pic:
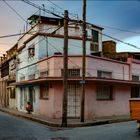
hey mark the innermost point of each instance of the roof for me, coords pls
(60, 21)
(44, 19)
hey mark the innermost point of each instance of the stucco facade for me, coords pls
(39, 74)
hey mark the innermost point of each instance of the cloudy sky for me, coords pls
(119, 18)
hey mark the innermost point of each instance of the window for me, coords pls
(104, 74)
(95, 36)
(44, 91)
(72, 72)
(135, 92)
(94, 47)
(12, 92)
(22, 78)
(135, 78)
(104, 92)
(44, 74)
(31, 50)
(32, 76)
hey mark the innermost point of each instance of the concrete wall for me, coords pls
(100, 108)
(93, 108)
(46, 107)
(119, 70)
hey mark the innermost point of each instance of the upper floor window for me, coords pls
(32, 76)
(104, 74)
(72, 72)
(95, 36)
(135, 78)
(22, 78)
(31, 50)
(94, 46)
(44, 74)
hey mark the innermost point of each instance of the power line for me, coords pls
(120, 29)
(14, 10)
(41, 8)
(44, 38)
(55, 5)
(126, 43)
(26, 32)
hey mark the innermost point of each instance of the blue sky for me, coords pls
(112, 13)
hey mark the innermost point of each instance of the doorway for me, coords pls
(73, 110)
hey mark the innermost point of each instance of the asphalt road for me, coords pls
(14, 128)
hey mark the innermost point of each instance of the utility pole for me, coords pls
(83, 62)
(65, 70)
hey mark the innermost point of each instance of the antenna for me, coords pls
(43, 9)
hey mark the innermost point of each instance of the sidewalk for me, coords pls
(71, 122)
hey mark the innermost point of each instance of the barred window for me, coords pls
(44, 91)
(104, 92)
(72, 72)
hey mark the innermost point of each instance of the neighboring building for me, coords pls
(8, 78)
(11, 89)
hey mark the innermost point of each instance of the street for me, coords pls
(13, 128)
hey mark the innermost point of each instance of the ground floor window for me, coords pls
(135, 92)
(12, 92)
(44, 91)
(104, 92)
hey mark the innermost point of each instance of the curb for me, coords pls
(70, 125)
(31, 118)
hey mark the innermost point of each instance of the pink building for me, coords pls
(108, 86)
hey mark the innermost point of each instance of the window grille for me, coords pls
(72, 72)
(104, 92)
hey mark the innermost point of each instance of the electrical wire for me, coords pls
(56, 5)
(120, 29)
(26, 33)
(126, 43)
(41, 8)
(14, 10)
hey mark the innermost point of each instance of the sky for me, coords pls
(119, 18)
